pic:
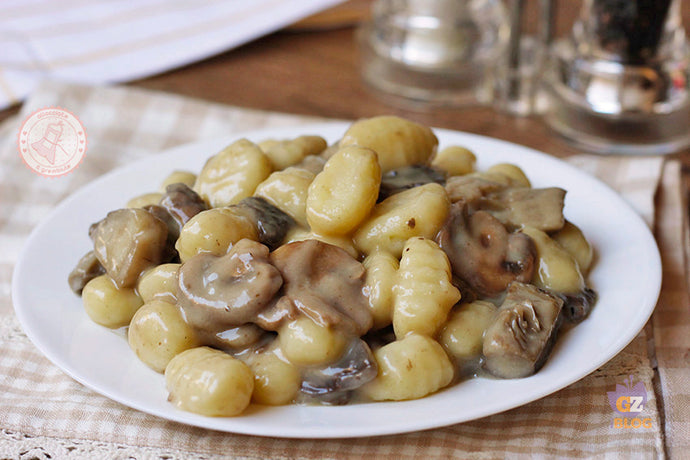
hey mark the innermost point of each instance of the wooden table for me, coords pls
(315, 71)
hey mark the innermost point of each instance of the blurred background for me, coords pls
(294, 62)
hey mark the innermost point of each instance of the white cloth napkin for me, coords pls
(106, 41)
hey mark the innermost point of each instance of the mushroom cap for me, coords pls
(182, 202)
(541, 208)
(325, 283)
(127, 242)
(483, 253)
(86, 269)
(407, 177)
(353, 369)
(221, 293)
(522, 334)
(272, 224)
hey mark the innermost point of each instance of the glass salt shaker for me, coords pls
(434, 52)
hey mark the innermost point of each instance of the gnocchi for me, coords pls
(343, 194)
(146, 199)
(158, 332)
(214, 231)
(209, 382)
(410, 368)
(290, 152)
(398, 142)
(463, 334)
(233, 174)
(423, 293)
(373, 269)
(287, 189)
(419, 211)
(509, 174)
(307, 343)
(159, 283)
(557, 270)
(108, 304)
(382, 270)
(571, 238)
(301, 234)
(276, 380)
(178, 177)
(455, 160)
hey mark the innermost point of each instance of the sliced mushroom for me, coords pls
(404, 178)
(333, 383)
(539, 208)
(520, 339)
(182, 202)
(86, 269)
(127, 242)
(483, 253)
(576, 307)
(272, 223)
(470, 188)
(280, 310)
(161, 213)
(170, 253)
(325, 283)
(221, 293)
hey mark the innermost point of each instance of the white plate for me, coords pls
(627, 276)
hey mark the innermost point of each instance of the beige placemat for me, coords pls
(45, 414)
(671, 320)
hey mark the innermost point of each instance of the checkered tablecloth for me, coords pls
(46, 414)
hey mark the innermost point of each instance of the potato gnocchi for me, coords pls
(233, 174)
(423, 293)
(410, 368)
(344, 193)
(374, 269)
(419, 211)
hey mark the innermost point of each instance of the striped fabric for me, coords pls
(671, 320)
(45, 413)
(120, 40)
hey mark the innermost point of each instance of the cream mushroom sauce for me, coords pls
(247, 283)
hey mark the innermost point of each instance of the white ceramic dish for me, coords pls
(627, 277)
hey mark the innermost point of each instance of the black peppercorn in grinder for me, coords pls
(620, 82)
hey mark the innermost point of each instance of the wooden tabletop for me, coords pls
(314, 70)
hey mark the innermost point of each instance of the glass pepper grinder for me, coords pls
(620, 82)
